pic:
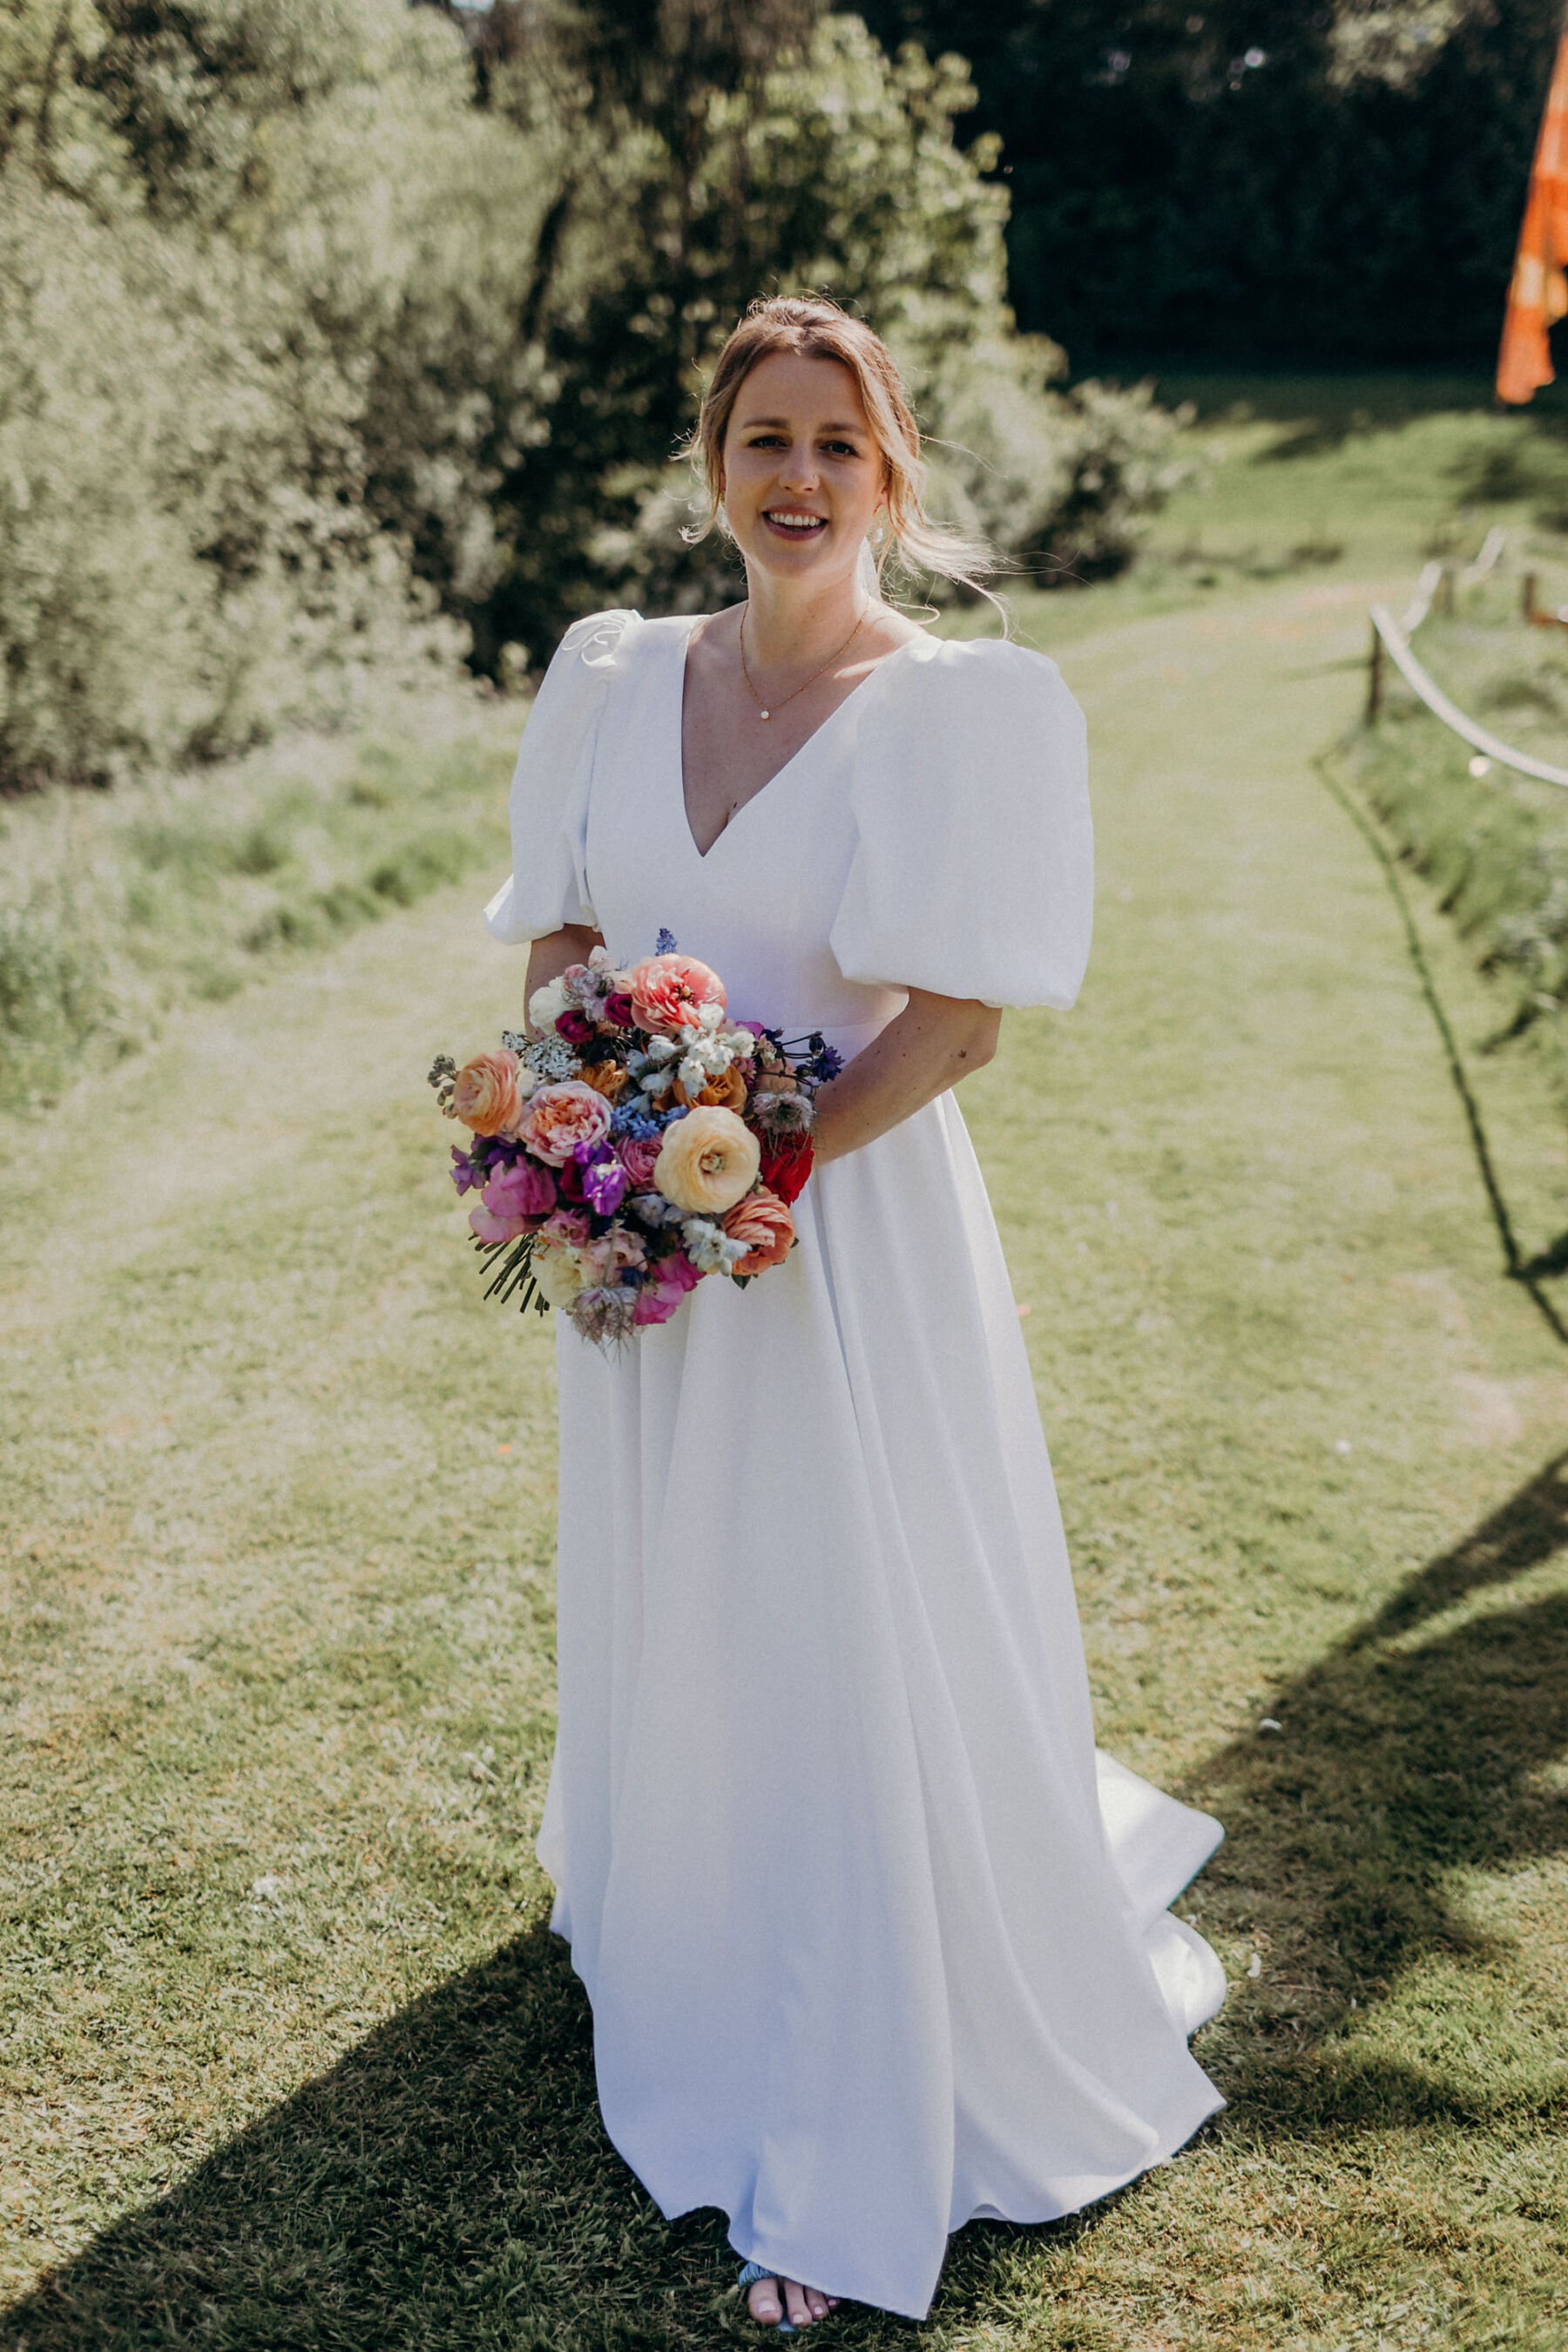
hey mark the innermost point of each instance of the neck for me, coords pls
(791, 621)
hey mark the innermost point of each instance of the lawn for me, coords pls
(291, 2060)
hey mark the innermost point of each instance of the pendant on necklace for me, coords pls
(764, 714)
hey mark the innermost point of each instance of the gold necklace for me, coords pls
(837, 655)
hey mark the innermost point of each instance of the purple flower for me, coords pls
(604, 1186)
(464, 1174)
(665, 944)
(523, 1190)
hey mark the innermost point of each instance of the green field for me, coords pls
(290, 2058)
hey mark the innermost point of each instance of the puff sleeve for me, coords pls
(973, 871)
(549, 805)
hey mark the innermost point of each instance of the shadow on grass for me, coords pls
(450, 2182)
(1414, 1749)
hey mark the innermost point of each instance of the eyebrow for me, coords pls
(781, 425)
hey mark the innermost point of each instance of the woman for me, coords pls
(872, 1947)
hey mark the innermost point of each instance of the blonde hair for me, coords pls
(811, 327)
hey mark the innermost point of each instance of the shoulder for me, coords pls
(975, 668)
(597, 640)
(979, 704)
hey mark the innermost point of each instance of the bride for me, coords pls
(875, 1943)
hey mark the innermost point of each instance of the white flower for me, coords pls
(558, 1272)
(552, 1057)
(546, 1005)
(709, 1247)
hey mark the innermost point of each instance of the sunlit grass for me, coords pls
(117, 907)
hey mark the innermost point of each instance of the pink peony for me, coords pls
(514, 1201)
(668, 991)
(672, 1278)
(557, 1119)
(637, 1154)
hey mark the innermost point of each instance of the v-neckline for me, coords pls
(702, 856)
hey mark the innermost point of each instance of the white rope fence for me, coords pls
(1391, 634)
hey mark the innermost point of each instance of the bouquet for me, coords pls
(635, 1141)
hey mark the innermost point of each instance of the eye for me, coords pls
(842, 448)
(764, 441)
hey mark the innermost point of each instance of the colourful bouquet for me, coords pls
(635, 1141)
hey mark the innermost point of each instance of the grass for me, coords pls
(291, 2060)
(1492, 845)
(117, 908)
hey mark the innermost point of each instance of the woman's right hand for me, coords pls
(548, 958)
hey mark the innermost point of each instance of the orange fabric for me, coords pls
(1537, 293)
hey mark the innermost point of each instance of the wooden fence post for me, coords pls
(1374, 679)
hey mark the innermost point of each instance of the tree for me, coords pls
(1244, 180)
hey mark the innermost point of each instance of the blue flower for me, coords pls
(665, 944)
(630, 1117)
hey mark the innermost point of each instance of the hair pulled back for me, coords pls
(811, 327)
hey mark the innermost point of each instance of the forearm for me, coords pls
(548, 958)
(934, 1042)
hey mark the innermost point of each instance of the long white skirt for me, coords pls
(875, 1944)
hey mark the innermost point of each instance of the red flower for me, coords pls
(785, 1165)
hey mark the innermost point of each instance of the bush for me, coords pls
(331, 347)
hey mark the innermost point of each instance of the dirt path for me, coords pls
(279, 1499)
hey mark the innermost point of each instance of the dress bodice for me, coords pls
(934, 832)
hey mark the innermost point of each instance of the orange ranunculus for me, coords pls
(606, 1078)
(728, 1092)
(764, 1221)
(707, 1160)
(485, 1093)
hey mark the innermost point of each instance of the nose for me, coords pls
(799, 469)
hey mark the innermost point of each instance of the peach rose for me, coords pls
(729, 1091)
(557, 1119)
(668, 991)
(606, 1078)
(764, 1221)
(485, 1093)
(707, 1160)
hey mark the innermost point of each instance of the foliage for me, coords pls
(187, 555)
(1257, 179)
(322, 318)
(832, 168)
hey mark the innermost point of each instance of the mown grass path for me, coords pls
(293, 2062)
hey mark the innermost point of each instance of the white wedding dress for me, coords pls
(874, 1942)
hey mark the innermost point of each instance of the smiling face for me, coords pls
(802, 473)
